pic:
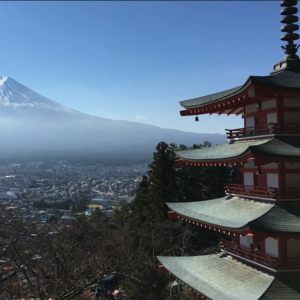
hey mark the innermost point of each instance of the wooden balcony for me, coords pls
(251, 191)
(271, 128)
(250, 254)
(260, 257)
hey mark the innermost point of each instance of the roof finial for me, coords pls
(291, 61)
(288, 12)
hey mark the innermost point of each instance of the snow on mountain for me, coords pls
(34, 126)
(17, 98)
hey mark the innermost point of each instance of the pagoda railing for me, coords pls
(264, 192)
(251, 190)
(271, 128)
(259, 256)
(248, 253)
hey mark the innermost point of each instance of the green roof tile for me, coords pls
(226, 212)
(201, 101)
(285, 286)
(282, 218)
(221, 152)
(284, 147)
(219, 277)
(286, 79)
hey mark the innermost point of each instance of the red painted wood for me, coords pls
(260, 191)
(261, 180)
(172, 215)
(251, 254)
(240, 100)
(162, 269)
(260, 113)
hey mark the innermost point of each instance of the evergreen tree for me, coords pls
(202, 182)
(213, 179)
(140, 206)
(162, 181)
(121, 216)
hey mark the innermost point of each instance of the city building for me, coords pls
(260, 218)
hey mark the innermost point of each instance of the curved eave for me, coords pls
(232, 101)
(219, 276)
(218, 228)
(219, 103)
(228, 213)
(238, 152)
(230, 153)
(216, 162)
(217, 97)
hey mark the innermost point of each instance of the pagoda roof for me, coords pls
(284, 80)
(282, 218)
(285, 286)
(219, 276)
(238, 214)
(226, 212)
(239, 150)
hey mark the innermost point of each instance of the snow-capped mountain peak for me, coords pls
(17, 98)
(3, 79)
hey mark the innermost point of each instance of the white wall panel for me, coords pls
(250, 122)
(244, 241)
(272, 117)
(272, 180)
(268, 104)
(250, 108)
(248, 178)
(271, 245)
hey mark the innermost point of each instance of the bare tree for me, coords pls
(39, 261)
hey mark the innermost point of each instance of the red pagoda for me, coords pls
(260, 257)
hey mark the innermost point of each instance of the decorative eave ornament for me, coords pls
(291, 60)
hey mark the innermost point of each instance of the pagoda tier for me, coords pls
(229, 214)
(266, 130)
(269, 106)
(270, 150)
(270, 167)
(221, 277)
(284, 84)
(238, 215)
(265, 235)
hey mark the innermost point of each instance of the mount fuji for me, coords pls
(35, 127)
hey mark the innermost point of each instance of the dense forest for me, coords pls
(51, 260)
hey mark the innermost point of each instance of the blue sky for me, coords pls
(136, 60)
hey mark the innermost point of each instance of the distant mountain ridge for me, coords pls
(34, 126)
